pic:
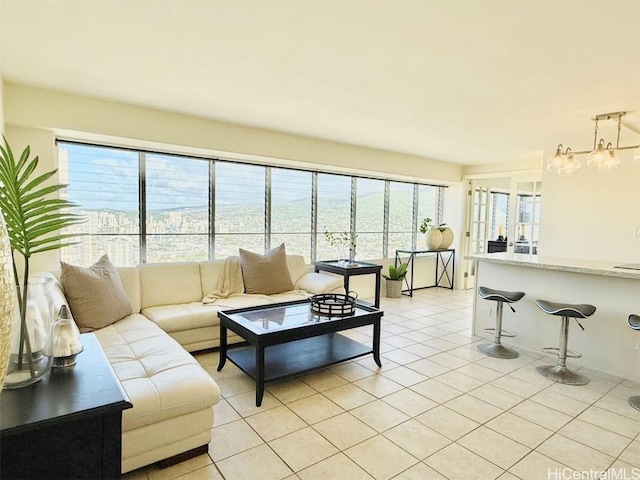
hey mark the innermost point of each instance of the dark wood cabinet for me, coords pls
(494, 246)
(68, 425)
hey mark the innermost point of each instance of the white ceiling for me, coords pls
(468, 82)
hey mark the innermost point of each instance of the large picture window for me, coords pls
(370, 218)
(177, 200)
(104, 183)
(291, 197)
(334, 211)
(150, 207)
(240, 208)
(401, 217)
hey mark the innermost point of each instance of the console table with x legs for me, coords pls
(445, 268)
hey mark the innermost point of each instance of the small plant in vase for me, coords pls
(394, 280)
(345, 243)
(438, 237)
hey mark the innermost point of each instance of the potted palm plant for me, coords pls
(394, 280)
(34, 218)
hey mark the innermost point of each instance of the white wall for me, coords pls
(593, 215)
(496, 170)
(77, 116)
(42, 144)
(1, 83)
(34, 116)
(1, 100)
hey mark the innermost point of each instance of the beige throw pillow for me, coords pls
(95, 294)
(266, 274)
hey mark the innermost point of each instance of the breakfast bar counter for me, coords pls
(607, 344)
(577, 265)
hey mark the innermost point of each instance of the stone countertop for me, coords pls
(591, 267)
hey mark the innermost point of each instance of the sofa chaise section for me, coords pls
(172, 395)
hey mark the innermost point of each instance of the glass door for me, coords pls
(479, 220)
(477, 227)
(524, 221)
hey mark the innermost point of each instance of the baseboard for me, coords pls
(181, 457)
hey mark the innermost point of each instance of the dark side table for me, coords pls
(67, 425)
(357, 268)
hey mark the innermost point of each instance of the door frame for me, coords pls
(513, 207)
(468, 266)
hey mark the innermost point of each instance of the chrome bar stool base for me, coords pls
(497, 350)
(635, 402)
(562, 375)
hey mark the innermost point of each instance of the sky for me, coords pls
(107, 178)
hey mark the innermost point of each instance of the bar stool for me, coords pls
(496, 349)
(559, 372)
(634, 322)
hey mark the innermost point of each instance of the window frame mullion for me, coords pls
(212, 210)
(142, 199)
(353, 215)
(314, 216)
(414, 229)
(385, 227)
(267, 209)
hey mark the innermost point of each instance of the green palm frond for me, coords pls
(34, 219)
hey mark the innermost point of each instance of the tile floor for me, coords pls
(437, 409)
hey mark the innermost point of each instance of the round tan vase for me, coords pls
(434, 238)
(447, 238)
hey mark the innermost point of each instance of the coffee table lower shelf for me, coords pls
(298, 356)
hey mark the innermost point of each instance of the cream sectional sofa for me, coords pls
(172, 395)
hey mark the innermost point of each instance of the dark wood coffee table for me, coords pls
(287, 339)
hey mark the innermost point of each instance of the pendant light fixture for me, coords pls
(603, 157)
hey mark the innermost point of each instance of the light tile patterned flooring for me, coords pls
(437, 409)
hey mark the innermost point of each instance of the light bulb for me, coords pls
(556, 161)
(598, 156)
(571, 166)
(611, 163)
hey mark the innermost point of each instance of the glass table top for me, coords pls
(283, 317)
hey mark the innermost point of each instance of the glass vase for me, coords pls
(31, 328)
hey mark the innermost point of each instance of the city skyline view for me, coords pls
(182, 196)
